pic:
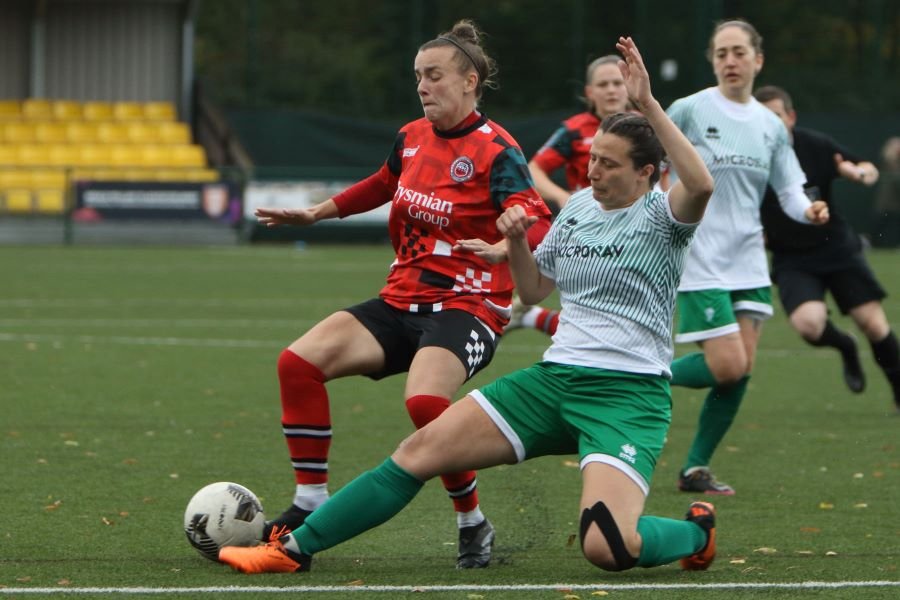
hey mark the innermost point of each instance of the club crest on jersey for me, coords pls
(462, 169)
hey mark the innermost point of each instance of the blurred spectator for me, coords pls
(887, 202)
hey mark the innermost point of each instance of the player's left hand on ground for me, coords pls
(817, 213)
(493, 253)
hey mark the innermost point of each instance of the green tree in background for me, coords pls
(354, 57)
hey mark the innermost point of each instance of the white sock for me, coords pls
(310, 496)
(468, 519)
(291, 544)
(529, 319)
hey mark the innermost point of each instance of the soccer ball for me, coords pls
(223, 514)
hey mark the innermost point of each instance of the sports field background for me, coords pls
(131, 377)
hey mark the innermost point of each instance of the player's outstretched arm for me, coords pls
(689, 195)
(270, 217)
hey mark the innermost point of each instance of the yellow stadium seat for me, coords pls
(15, 178)
(142, 132)
(159, 111)
(48, 179)
(156, 156)
(8, 155)
(97, 111)
(34, 154)
(126, 155)
(51, 201)
(66, 110)
(112, 133)
(128, 111)
(18, 201)
(10, 109)
(50, 132)
(174, 133)
(64, 155)
(37, 108)
(18, 132)
(94, 155)
(81, 132)
(188, 156)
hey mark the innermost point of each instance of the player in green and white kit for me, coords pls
(725, 291)
(615, 253)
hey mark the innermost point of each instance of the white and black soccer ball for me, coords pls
(223, 514)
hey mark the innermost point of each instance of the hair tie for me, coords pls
(464, 51)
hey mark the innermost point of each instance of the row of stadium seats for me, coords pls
(25, 191)
(18, 201)
(38, 108)
(57, 179)
(90, 132)
(103, 155)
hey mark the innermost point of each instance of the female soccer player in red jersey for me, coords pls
(448, 295)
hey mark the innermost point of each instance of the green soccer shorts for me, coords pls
(707, 314)
(613, 417)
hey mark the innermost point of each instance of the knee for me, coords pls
(873, 324)
(731, 371)
(808, 326)
(597, 551)
(292, 365)
(603, 544)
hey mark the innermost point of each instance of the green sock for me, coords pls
(367, 501)
(667, 540)
(692, 371)
(719, 409)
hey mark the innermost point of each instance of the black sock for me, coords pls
(887, 355)
(834, 337)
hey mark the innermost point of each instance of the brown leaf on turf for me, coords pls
(600, 593)
(53, 506)
(804, 552)
(571, 463)
(25, 579)
(123, 513)
(737, 561)
(106, 521)
(130, 461)
(357, 582)
(64, 582)
(831, 553)
(860, 505)
(766, 551)
(571, 540)
(571, 597)
(826, 505)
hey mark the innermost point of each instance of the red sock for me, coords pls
(547, 321)
(305, 417)
(424, 409)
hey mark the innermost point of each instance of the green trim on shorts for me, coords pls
(707, 314)
(551, 408)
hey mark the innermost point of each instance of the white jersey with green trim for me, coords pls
(745, 147)
(617, 272)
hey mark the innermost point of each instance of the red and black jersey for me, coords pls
(570, 145)
(449, 186)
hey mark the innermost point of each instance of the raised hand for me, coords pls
(637, 80)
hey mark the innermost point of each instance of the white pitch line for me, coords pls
(343, 589)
